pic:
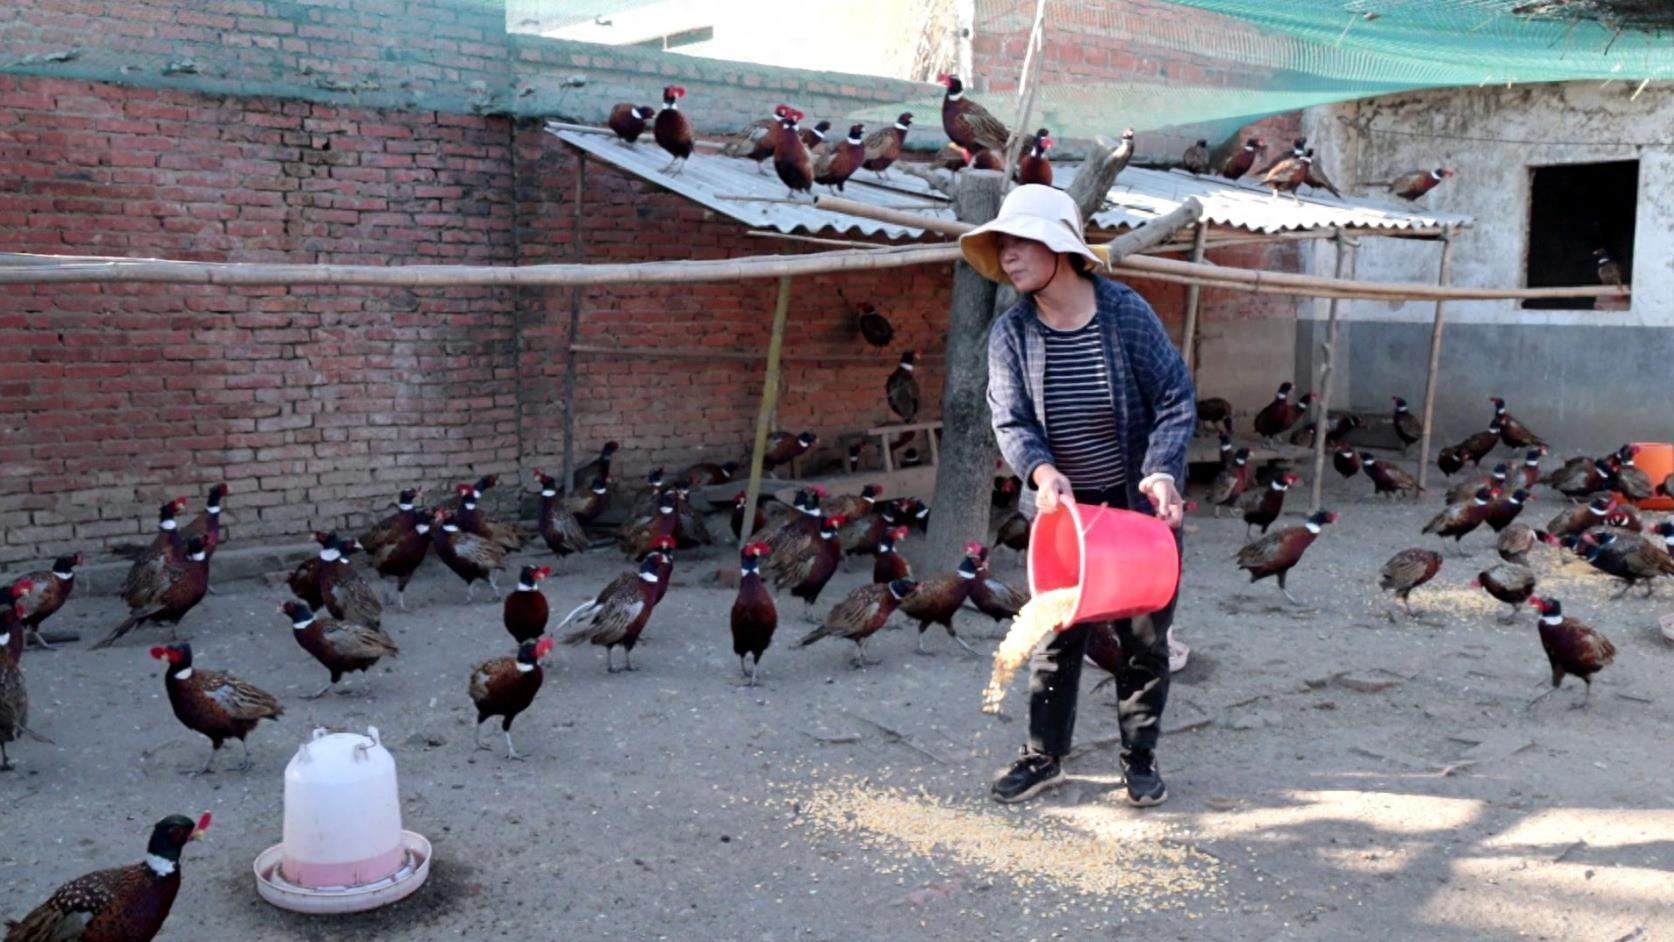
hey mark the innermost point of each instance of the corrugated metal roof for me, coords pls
(1141, 195)
(710, 176)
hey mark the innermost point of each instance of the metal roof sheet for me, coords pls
(707, 177)
(1140, 195)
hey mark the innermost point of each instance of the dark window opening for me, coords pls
(1574, 211)
(702, 34)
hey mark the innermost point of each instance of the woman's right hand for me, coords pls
(1053, 488)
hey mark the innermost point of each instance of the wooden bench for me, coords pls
(885, 433)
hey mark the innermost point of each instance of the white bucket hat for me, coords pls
(1031, 211)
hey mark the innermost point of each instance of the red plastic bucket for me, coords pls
(1656, 459)
(1131, 558)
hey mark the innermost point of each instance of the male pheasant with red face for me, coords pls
(14, 696)
(671, 130)
(347, 594)
(525, 612)
(469, 556)
(1458, 520)
(889, 564)
(937, 599)
(1278, 552)
(1572, 648)
(122, 904)
(754, 616)
(506, 686)
(341, 647)
(618, 614)
(860, 615)
(967, 123)
(217, 705)
(993, 597)
(397, 545)
(51, 589)
(167, 591)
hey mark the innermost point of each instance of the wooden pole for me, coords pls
(660, 351)
(811, 240)
(964, 475)
(1188, 338)
(1028, 83)
(769, 404)
(160, 271)
(838, 204)
(1328, 357)
(576, 252)
(1442, 279)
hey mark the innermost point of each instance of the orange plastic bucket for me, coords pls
(1656, 459)
(1124, 563)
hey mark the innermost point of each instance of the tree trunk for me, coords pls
(1097, 174)
(965, 471)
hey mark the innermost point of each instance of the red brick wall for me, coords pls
(312, 403)
(1151, 41)
(316, 404)
(665, 410)
(1146, 42)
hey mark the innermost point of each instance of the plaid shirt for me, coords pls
(1156, 408)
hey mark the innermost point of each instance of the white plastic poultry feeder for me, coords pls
(344, 850)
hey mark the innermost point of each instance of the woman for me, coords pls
(1090, 401)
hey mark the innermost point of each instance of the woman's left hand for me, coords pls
(1170, 508)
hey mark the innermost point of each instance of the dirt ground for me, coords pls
(1333, 773)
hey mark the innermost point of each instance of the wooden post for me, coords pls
(576, 252)
(1188, 338)
(1443, 279)
(769, 405)
(1328, 357)
(965, 469)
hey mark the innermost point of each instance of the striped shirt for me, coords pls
(1080, 411)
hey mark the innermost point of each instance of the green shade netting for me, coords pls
(1300, 53)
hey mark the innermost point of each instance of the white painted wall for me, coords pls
(1491, 137)
(867, 37)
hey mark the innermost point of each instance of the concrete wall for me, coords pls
(1586, 379)
(868, 37)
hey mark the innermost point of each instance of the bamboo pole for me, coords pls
(159, 271)
(1328, 363)
(576, 253)
(1442, 278)
(1429, 233)
(811, 240)
(1028, 85)
(1148, 266)
(728, 353)
(838, 204)
(769, 404)
(1188, 337)
(451, 276)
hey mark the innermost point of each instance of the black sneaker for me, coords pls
(1145, 786)
(1030, 775)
